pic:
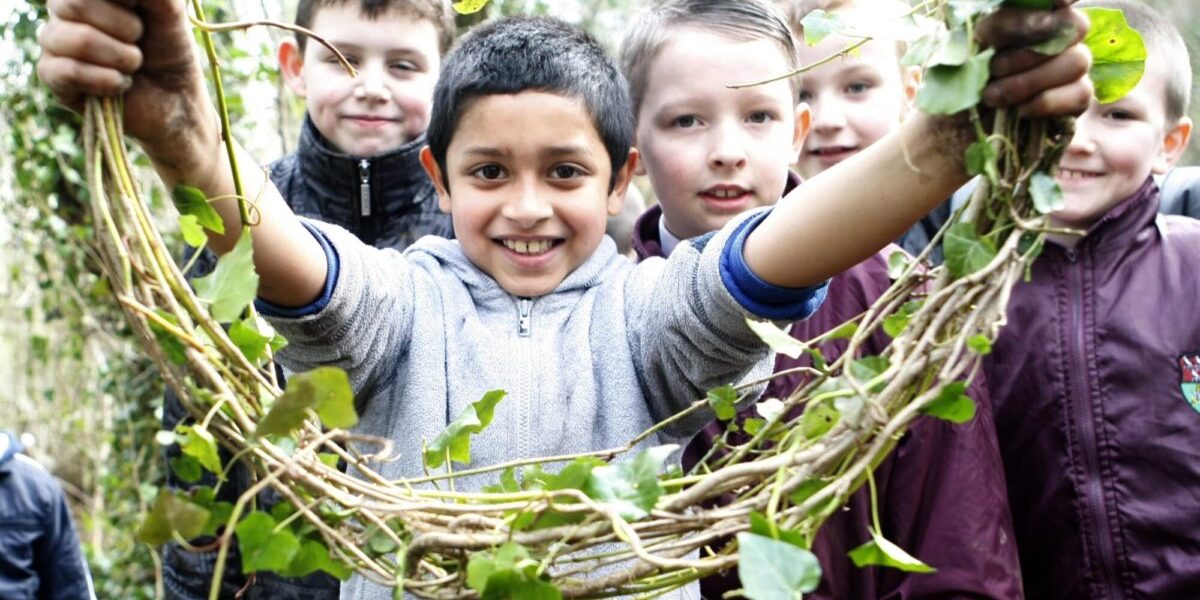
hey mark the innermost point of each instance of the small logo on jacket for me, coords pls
(1189, 378)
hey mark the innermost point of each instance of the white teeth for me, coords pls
(725, 194)
(532, 248)
(1074, 174)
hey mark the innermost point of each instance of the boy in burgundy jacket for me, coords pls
(712, 152)
(1094, 379)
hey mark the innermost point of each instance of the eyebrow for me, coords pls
(494, 152)
(350, 46)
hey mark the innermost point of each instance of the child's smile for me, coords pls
(528, 188)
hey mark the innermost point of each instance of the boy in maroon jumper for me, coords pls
(711, 152)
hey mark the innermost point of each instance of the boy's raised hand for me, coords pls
(144, 49)
(1038, 85)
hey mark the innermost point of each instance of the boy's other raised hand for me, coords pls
(143, 49)
(1036, 84)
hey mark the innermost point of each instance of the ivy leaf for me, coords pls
(953, 50)
(171, 513)
(980, 344)
(844, 331)
(950, 89)
(1118, 54)
(324, 389)
(952, 404)
(218, 511)
(632, 485)
(981, 160)
(776, 339)
(506, 585)
(818, 419)
(263, 548)
(190, 201)
(753, 426)
(483, 565)
(1063, 37)
(868, 368)
(898, 262)
(895, 323)
(457, 436)
(881, 552)
(186, 468)
(231, 287)
(818, 24)
(192, 231)
(805, 490)
(313, 556)
(760, 525)
(171, 346)
(199, 444)
(722, 400)
(1047, 195)
(469, 7)
(774, 570)
(253, 335)
(965, 251)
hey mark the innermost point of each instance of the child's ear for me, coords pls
(910, 79)
(291, 63)
(803, 126)
(1175, 142)
(616, 198)
(434, 171)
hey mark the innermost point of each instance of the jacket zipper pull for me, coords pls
(524, 310)
(364, 186)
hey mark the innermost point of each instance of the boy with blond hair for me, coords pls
(529, 149)
(1094, 379)
(712, 152)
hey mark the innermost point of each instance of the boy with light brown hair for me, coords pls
(712, 152)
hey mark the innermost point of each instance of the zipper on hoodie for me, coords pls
(1084, 415)
(524, 316)
(364, 187)
(525, 368)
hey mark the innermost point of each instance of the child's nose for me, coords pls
(369, 85)
(526, 207)
(827, 116)
(1083, 142)
(728, 148)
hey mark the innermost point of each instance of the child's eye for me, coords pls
(1121, 115)
(404, 65)
(566, 172)
(350, 58)
(684, 121)
(858, 87)
(760, 116)
(488, 172)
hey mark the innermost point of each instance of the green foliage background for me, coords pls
(75, 384)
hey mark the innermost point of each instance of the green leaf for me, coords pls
(844, 331)
(1047, 195)
(723, 402)
(313, 556)
(868, 368)
(324, 389)
(774, 570)
(953, 50)
(881, 552)
(483, 565)
(631, 485)
(509, 585)
(171, 513)
(192, 231)
(172, 346)
(950, 89)
(231, 287)
(457, 436)
(776, 339)
(898, 262)
(895, 323)
(190, 201)
(198, 443)
(468, 7)
(186, 468)
(753, 426)
(965, 251)
(818, 419)
(508, 483)
(1118, 54)
(980, 344)
(253, 335)
(760, 525)
(818, 24)
(263, 548)
(981, 160)
(952, 404)
(805, 490)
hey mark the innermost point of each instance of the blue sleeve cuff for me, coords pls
(271, 309)
(757, 296)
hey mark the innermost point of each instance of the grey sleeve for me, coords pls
(688, 333)
(363, 321)
(1180, 192)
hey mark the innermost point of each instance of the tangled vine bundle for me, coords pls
(584, 528)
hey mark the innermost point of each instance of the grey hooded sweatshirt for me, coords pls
(611, 351)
